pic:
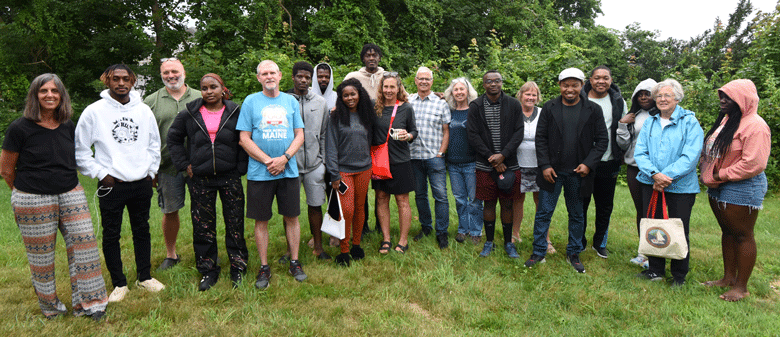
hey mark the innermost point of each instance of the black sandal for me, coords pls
(384, 247)
(402, 248)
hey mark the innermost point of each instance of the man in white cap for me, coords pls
(571, 138)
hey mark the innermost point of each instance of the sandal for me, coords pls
(402, 248)
(384, 247)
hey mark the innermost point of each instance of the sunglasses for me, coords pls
(163, 60)
(390, 74)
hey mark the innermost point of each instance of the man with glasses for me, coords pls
(166, 104)
(495, 130)
(432, 117)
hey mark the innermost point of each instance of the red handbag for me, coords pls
(380, 158)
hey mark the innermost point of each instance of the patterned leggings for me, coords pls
(353, 206)
(38, 217)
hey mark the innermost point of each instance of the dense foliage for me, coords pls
(524, 40)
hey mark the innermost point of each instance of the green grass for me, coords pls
(426, 292)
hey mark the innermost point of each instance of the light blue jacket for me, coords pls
(673, 150)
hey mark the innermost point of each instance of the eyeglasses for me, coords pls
(424, 79)
(665, 96)
(496, 81)
(390, 74)
(163, 60)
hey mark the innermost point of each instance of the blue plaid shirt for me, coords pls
(430, 114)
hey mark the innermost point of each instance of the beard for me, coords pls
(324, 87)
(177, 86)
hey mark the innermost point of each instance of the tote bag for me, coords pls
(329, 224)
(380, 158)
(662, 237)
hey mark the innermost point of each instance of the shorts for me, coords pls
(487, 189)
(314, 186)
(260, 197)
(528, 179)
(171, 191)
(749, 192)
(402, 182)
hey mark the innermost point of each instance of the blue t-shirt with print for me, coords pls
(272, 122)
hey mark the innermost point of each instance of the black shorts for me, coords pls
(260, 197)
(402, 182)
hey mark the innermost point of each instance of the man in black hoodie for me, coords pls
(600, 90)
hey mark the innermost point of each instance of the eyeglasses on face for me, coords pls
(496, 81)
(665, 96)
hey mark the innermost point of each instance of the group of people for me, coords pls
(495, 147)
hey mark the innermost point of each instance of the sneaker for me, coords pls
(296, 270)
(646, 264)
(150, 285)
(676, 282)
(475, 240)
(118, 294)
(98, 316)
(169, 262)
(357, 252)
(639, 260)
(533, 260)
(263, 276)
(208, 281)
(423, 233)
(574, 260)
(444, 240)
(649, 275)
(236, 277)
(486, 249)
(601, 252)
(460, 237)
(344, 259)
(511, 250)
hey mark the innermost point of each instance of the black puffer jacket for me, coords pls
(224, 156)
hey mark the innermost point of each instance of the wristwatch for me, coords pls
(441, 154)
(288, 156)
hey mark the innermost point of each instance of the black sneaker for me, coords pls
(649, 275)
(678, 282)
(169, 262)
(296, 270)
(343, 259)
(263, 276)
(208, 281)
(574, 260)
(534, 260)
(444, 240)
(601, 252)
(423, 233)
(357, 252)
(236, 277)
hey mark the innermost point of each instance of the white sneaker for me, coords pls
(151, 285)
(118, 294)
(639, 260)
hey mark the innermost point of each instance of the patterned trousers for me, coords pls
(39, 217)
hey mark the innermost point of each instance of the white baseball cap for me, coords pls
(571, 73)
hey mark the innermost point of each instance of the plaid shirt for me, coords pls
(430, 114)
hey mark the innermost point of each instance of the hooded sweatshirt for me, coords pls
(369, 81)
(749, 151)
(627, 134)
(314, 112)
(329, 95)
(125, 137)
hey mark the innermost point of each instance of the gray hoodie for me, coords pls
(329, 95)
(627, 135)
(314, 112)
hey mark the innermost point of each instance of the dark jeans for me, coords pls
(604, 196)
(635, 187)
(680, 206)
(137, 197)
(570, 183)
(203, 196)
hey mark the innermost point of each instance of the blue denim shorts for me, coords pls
(171, 191)
(528, 179)
(749, 192)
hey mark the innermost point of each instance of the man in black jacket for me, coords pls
(570, 140)
(600, 90)
(495, 130)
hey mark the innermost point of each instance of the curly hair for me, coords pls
(380, 98)
(341, 113)
(109, 72)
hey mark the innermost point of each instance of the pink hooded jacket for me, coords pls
(749, 151)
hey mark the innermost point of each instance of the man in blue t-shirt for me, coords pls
(271, 133)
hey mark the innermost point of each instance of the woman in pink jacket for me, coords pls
(734, 157)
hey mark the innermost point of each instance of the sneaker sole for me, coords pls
(599, 254)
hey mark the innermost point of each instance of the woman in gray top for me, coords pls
(348, 160)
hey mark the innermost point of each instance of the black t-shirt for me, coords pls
(398, 150)
(571, 117)
(47, 158)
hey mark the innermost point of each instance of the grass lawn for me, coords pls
(425, 292)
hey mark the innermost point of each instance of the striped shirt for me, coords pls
(493, 119)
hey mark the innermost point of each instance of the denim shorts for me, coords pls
(749, 192)
(528, 179)
(171, 191)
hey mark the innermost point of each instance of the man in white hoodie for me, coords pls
(324, 85)
(124, 132)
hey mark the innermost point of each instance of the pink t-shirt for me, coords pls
(211, 118)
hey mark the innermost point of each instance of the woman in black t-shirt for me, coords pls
(38, 162)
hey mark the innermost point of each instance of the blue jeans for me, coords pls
(464, 187)
(434, 170)
(570, 182)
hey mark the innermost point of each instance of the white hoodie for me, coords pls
(329, 95)
(125, 136)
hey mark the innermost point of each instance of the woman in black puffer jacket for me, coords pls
(215, 163)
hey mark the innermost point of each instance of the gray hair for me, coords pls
(32, 107)
(424, 69)
(267, 62)
(669, 82)
(529, 86)
(472, 94)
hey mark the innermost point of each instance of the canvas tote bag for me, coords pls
(662, 237)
